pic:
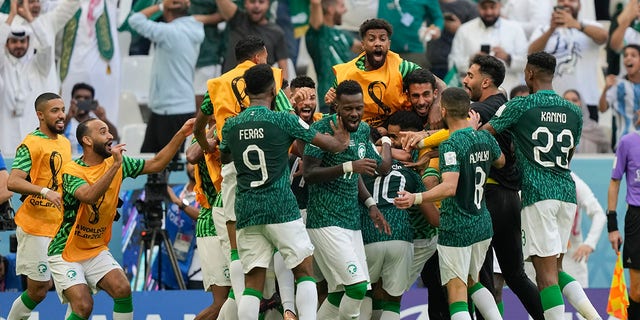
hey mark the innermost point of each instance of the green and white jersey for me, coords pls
(204, 225)
(130, 168)
(545, 129)
(464, 218)
(335, 202)
(422, 229)
(258, 139)
(384, 190)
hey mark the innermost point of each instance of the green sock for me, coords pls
(74, 316)
(27, 301)
(458, 306)
(392, 306)
(551, 297)
(335, 297)
(123, 305)
(234, 255)
(501, 307)
(564, 279)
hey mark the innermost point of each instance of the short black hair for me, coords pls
(44, 98)
(258, 79)
(248, 47)
(407, 120)
(374, 24)
(348, 87)
(545, 62)
(419, 76)
(83, 130)
(302, 82)
(456, 101)
(633, 46)
(490, 66)
(85, 86)
(517, 89)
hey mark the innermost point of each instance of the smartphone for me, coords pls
(87, 105)
(485, 48)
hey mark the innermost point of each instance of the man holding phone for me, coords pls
(80, 109)
(493, 35)
(576, 47)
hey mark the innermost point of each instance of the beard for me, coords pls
(101, 149)
(489, 23)
(375, 64)
(54, 129)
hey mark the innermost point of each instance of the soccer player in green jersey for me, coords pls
(258, 140)
(545, 129)
(79, 256)
(333, 214)
(465, 224)
(390, 257)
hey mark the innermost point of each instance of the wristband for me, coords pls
(347, 167)
(386, 140)
(418, 199)
(420, 144)
(369, 202)
(612, 221)
(44, 191)
(161, 6)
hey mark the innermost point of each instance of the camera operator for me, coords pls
(80, 109)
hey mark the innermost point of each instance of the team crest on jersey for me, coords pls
(42, 268)
(352, 268)
(71, 274)
(362, 150)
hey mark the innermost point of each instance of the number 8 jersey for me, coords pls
(546, 129)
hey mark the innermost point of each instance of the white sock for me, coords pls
(237, 279)
(306, 300)
(69, 310)
(229, 310)
(555, 313)
(249, 307)
(461, 316)
(486, 304)
(328, 311)
(389, 315)
(285, 283)
(349, 308)
(366, 308)
(19, 310)
(579, 300)
(122, 316)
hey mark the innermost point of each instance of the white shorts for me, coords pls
(340, 256)
(214, 265)
(256, 244)
(90, 272)
(390, 261)
(31, 257)
(423, 249)
(546, 227)
(220, 223)
(228, 187)
(462, 262)
(202, 75)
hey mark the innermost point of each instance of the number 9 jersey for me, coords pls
(546, 129)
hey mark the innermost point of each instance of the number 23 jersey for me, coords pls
(545, 129)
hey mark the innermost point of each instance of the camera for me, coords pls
(87, 105)
(7, 215)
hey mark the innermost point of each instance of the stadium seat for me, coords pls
(133, 135)
(129, 112)
(136, 76)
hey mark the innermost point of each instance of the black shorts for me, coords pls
(631, 246)
(161, 129)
